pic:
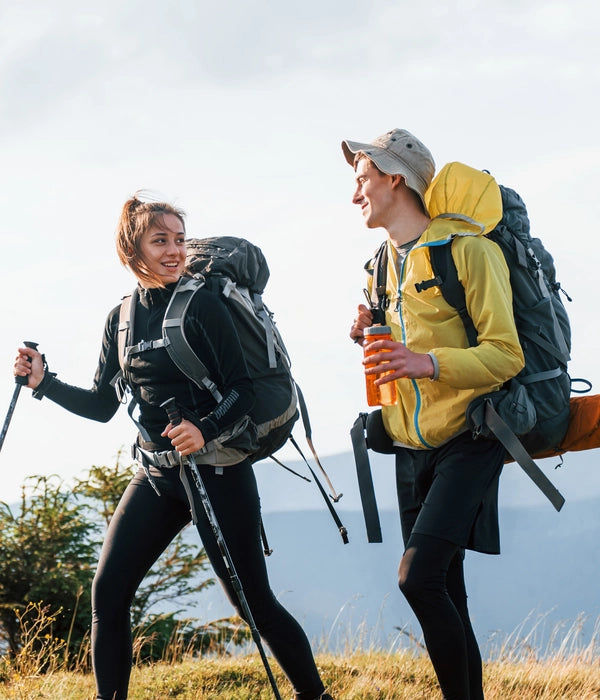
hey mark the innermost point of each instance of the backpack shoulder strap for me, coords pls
(444, 268)
(126, 319)
(378, 299)
(126, 328)
(119, 381)
(175, 341)
(126, 312)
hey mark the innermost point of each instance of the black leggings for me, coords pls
(448, 501)
(142, 527)
(431, 577)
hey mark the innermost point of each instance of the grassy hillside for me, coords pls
(360, 676)
(567, 669)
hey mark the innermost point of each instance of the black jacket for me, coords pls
(153, 376)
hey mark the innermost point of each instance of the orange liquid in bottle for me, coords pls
(384, 394)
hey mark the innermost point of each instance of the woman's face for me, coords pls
(162, 248)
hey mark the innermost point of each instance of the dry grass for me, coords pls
(362, 676)
(566, 670)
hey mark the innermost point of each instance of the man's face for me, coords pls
(373, 194)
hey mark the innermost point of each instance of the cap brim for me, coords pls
(386, 163)
(351, 148)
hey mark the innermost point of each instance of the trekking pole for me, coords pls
(174, 414)
(20, 382)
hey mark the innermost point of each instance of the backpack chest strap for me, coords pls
(145, 345)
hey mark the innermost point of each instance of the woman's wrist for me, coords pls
(40, 390)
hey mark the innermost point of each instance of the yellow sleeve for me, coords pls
(498, 356)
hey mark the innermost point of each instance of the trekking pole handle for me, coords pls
(23, 380)
(173, 411)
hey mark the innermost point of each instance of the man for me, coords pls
(447, 482)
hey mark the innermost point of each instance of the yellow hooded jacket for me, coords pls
(464, 204)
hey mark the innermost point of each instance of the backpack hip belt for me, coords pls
(169, 459)
(162, 460)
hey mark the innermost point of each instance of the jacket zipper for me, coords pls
(418, 401)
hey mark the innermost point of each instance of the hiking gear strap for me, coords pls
(263, 536)
(142, 458)
(308, 434)
(365, 479)
(519, 453)
(264, 315)
(378, 299)
(281, 464)
(334, 515)
(562, 352)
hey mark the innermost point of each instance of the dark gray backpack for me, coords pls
(530, 414)
(237, 270)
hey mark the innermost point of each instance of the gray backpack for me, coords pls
(530, 414)
(237, 270)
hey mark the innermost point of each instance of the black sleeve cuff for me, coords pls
(40, 391)
(207, 427)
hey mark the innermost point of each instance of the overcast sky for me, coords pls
(236, 112)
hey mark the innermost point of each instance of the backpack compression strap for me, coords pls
(253, 303)
(514, 446)
(262, 312)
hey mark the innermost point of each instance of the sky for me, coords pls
(235, 111)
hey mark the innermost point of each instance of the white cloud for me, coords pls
(237, 110)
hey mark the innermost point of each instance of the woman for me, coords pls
(156, 506)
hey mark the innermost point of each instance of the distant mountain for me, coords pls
(346, 595)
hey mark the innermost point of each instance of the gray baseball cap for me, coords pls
(397, 152)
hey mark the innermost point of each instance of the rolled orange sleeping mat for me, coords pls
(583, 432)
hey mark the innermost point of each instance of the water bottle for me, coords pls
(384, 394)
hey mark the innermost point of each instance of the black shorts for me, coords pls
(451, 492)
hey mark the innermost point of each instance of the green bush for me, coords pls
(50, 544)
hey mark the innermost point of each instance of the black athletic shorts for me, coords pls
(451, 492)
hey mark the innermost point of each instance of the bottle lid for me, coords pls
(377, 330)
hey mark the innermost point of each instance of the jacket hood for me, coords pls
(468, 197)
